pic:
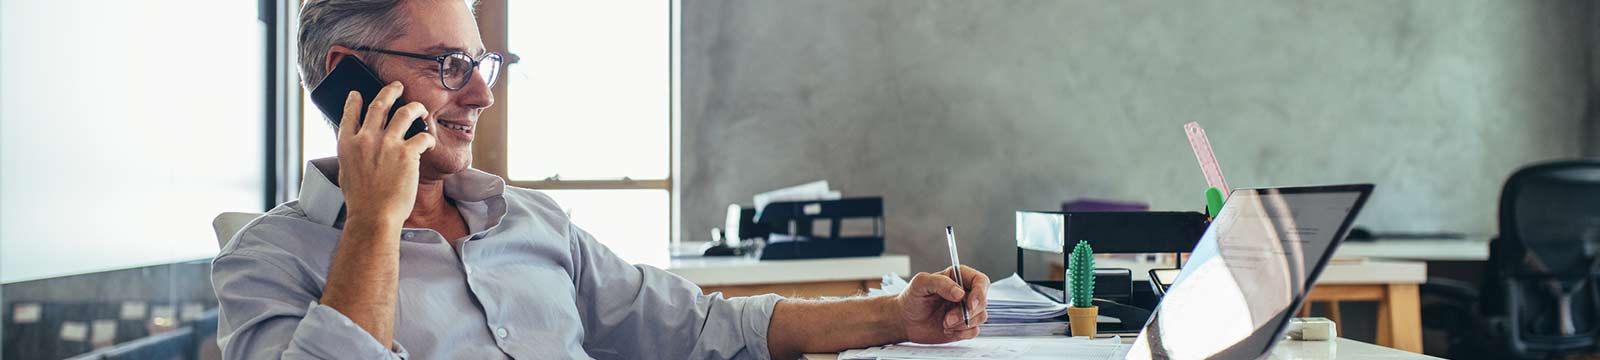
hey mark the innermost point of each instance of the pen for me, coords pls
(955, 263)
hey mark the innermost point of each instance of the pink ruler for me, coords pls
(1208, 161)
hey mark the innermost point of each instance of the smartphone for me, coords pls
(353, 75)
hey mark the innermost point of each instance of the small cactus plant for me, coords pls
(1080, 274)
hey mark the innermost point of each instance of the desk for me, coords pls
(1390, 283)
(744, 276)
(1289, 349)
(1473, 248)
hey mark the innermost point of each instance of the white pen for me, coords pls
(955, 263)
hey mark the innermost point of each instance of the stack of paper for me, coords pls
(1023, 329)
(1014, 308)
(1012, 300)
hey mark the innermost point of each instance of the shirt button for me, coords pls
(501, 332)
(469, 270)
(407, 235)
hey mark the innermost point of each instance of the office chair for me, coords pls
(1539, 289)
(1451, 326)
(227, 224)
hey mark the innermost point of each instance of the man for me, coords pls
(396, 248)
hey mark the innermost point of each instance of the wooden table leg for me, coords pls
(1385, 336)
(1338, 319)
(1401, 313)
(1399, 322)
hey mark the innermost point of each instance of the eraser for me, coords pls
(1311, 329)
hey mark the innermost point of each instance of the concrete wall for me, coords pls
(1591, 142)
(960, 112)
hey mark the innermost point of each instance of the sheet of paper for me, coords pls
(969, 349)
(1079, 348)
(816, 190)
(1000, 348)
(1023, 329)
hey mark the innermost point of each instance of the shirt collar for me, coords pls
(323, 202)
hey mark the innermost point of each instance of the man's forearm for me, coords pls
(364, 276)
(801, 326)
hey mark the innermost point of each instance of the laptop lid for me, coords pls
(1250, 272)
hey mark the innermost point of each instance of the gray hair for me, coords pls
(351, 23)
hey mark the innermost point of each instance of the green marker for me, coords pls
(1213, 201)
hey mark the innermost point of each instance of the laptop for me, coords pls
(1250, 273)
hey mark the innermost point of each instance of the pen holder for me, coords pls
(1083, 320)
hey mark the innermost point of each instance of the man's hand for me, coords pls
(931, 306)
(378, 168)
(378, 173)
(928, 312)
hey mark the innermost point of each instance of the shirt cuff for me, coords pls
(756, 318)
(325, 333)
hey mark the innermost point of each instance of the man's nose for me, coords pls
(477, 94)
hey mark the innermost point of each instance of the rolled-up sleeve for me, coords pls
(639, 311)
(268, 313)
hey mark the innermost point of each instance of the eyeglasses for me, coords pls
(455, 67)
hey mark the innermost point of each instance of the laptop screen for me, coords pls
(1249, 272)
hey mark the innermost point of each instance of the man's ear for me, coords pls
(337, 53)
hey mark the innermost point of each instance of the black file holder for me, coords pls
(793, 235)
(1111, 233)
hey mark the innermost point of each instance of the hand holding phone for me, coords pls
(378, 167)
(378, 175)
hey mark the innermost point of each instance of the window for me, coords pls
(593, 81)
(318, 139)
(124, 136)
(588, 112)
(585, 112)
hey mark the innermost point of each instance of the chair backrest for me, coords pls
(1544, 264)
(1553, 211)
(227, 224)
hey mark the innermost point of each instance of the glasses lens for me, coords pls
(454, 70)
(489, 68)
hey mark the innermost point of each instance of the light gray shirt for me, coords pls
(526, 283)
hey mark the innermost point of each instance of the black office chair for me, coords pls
(1451, 325)
(1539, 290)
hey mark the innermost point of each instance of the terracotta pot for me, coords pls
(1083, 320)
